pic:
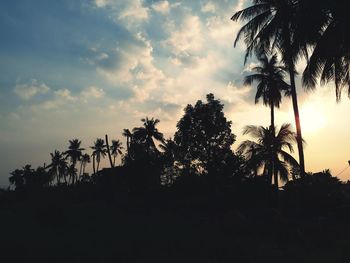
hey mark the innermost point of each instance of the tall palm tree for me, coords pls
(147, 133)
(272, 25)
(128, 134)
(99, 151)
(270, 78)
(260, 155)
(74, 153)
(116, 149)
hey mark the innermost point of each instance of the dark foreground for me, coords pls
(59, 226)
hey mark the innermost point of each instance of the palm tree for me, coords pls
(273, 25)
(56, 157)
(268, 152)
(72, 172)
(63, 169)
(270, 78)
(146, 134)
(127, 133)
(99, 151)
(116, 149)
(74, 153)
(330, 60)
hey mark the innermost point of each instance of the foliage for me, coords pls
(268, 152)
(204, 137)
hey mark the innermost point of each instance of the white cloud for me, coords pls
(135, 10)
(29, 90)
(101, 3)
(132, 11)
(65, 94)
(186, 38)
(92, 92)
(208, 7)
(162, 7)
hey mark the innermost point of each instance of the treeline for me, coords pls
(198, 159)
(201, 146)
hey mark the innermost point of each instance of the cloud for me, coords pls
(209, 7)
(92, 93)
(162, 7)
(28, 90)
(187, 37)
(132, 11)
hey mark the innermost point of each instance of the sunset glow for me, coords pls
(88, 68)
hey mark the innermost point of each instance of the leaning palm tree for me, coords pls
(74, 153)
(147, 133)
(99, 151)
(272, 25)
(116, 149)
(267, 152)
(330, 59)
(270, 79)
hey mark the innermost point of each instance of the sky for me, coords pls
(86, 68)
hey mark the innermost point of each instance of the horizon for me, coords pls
(90, 68)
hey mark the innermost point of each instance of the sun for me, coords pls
(312, 118)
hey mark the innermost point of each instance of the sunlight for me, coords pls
(312, 118)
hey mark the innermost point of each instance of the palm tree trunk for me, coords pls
(114, 161)
(291, 69)
(109, 152)
(275, 175)
(297, 121)
(58, 178)
(271, 168)
(93, 163)
(81, 167)
(98, 165)
(73, 175)
(128, 146)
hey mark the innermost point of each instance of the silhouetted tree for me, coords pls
(17, 178)
(270, 79)
(273, 25)
(146, 134)
(116, 149)
(330, 43)
(99, 151)
(108, 150)
(63, 169)
(74, 153)
(204, 137)
(169, 156)
(128, 134)
(54, 166)
(85, 159)
(268, 152)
